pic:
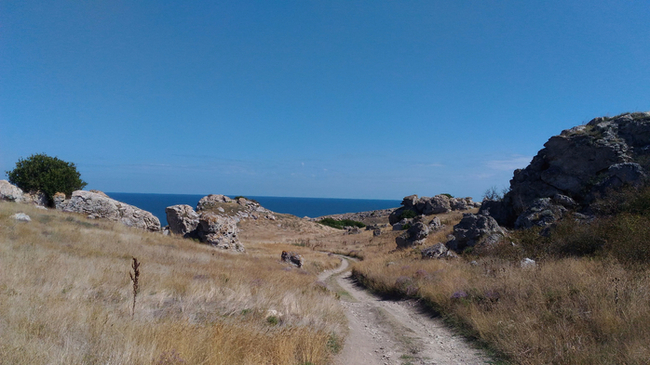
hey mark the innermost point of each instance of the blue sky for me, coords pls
(345, 99)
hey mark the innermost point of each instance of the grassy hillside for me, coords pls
(66, 298)
(587, 301)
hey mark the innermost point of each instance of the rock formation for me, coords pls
(473, 230)
(413, 206)
(414, 235)
(438, 251)
(182, 219)
(575, 168)
(10, 192)
(219, 231)
(215, 220)
(292, 258)
(98, 205)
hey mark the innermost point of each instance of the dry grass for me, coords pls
(564, 311)
(66, 298)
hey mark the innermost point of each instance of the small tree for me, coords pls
(47, 174)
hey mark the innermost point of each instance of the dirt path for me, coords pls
(385, 332)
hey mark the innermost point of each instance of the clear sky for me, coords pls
(344, 99)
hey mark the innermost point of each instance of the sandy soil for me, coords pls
(386, 332)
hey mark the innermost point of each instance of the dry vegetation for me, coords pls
(586, 302)
(66, 298)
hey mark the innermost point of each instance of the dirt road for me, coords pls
(385, 332)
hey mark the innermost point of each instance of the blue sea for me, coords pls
(301, 207)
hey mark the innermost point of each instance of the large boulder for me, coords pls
(415, 235)
(434, 205)
(473, 230)
(182, 219)
(219, 231)
(437, 251)
(10, 192)
(541, 213)
(98, 205)
(582, 163)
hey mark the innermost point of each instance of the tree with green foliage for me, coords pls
(49, 175)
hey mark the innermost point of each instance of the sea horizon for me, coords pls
(298, 206)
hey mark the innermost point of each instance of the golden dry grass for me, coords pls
(65, 298)
(564, 311)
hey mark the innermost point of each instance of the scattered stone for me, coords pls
(352, 230)
(438, 251)
(527, 263)
(292, 258)
(21, 217)
(376, 232)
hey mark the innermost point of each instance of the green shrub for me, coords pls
(408, 214)
(340, 224)
(447, 195)
(49, 175)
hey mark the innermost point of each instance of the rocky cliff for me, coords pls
(576, 167)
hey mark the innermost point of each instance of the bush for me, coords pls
(47, 174)
(340, 224)
(408, 213)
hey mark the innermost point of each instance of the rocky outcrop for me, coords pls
(10, 192)
(212, 201)
(98, 205)
(413, 206)
(582, 163)
(212, 224)
(182, 220)
(475, 230)
(414, 235)
(220, 232)
(359, 216)
(292, 258)
(438, 251)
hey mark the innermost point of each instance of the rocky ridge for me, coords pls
(95, 204)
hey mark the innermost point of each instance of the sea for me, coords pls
(301, 207)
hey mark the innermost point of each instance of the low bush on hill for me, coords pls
(340, 224)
